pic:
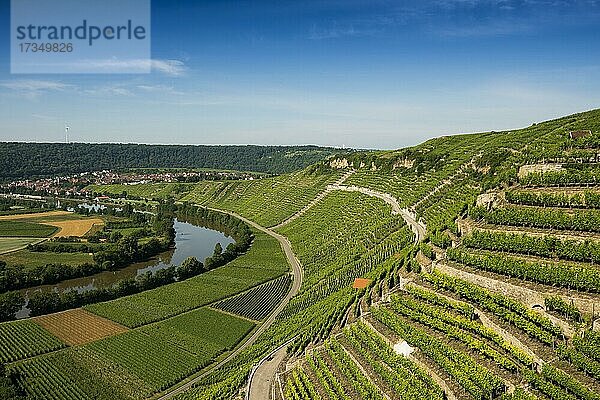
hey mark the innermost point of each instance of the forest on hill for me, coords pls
(27, 160)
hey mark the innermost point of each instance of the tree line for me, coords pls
(117, 251)
(26, 160)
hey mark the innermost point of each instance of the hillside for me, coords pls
(480, 256)
(27, 160)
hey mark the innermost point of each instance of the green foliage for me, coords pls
(575, 276)
(584, 199)
(195, 332)
(26, 160)
(508, 310)
(365, 389)
(10, 304)
(25, 229)
(258, 302)
(568, 310)
(568, 177)
(24, 339)
(577, 220)
(299, 387)
(544, 246)
(401, 374)
(478, 381)
(440, 239)
(427, 250)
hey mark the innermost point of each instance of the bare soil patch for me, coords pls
(77, 227)
(77, 327)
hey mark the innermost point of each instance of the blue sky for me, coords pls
(369, 74)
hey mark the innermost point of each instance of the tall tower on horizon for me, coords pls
(67, 128)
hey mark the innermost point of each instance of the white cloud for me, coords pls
(33, 85)
(169, 67)
(115, 65)
(110, 90)
(32, 88)
(163, 89)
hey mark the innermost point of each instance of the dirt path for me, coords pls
(445, 182)
(314, 201)
(296, 283)
(263, 376)
(409, 217)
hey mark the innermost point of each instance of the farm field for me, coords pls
(45, 223)
(31, 259)
(23, 339)
(40, 215)
(134, 364)
(77, 327)
(77, 227)
(257, 303)
(8, 244)
(25, 229)
(264, 261)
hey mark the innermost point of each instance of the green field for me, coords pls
(25, 229)
(264, 261)
(10, 244)
(135, 364)
(32, 259)
(203, 332)
(21, 339)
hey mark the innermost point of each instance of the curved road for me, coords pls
(297, 282)
(267, 369)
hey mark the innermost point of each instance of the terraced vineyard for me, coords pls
(498, 301)
(266, 201)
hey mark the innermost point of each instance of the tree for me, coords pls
(191, 266)
(8, 391)
(10, 304)
(218, 250)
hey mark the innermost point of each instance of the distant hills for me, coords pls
(21, 160)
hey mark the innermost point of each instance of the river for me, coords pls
(190, 240)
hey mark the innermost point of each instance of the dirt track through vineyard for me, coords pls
(296, 283)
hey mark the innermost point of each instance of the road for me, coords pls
(265, 372)
(297, 282)
(260, 385)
